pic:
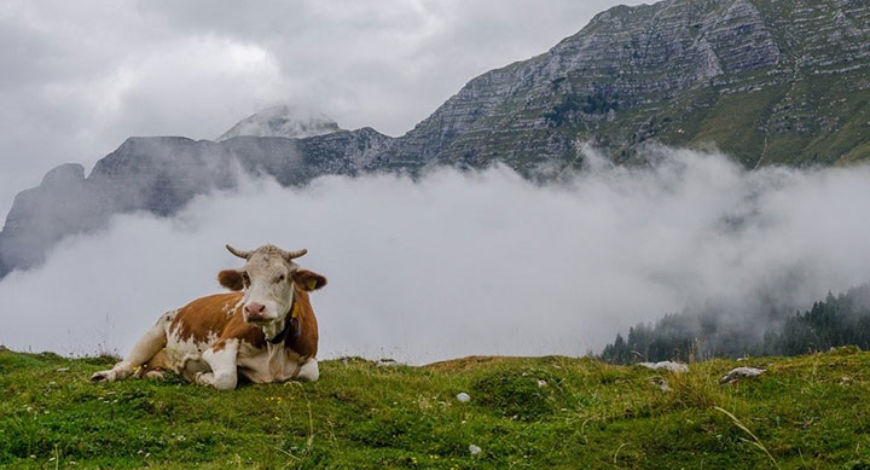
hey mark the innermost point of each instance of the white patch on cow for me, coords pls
(184, 356)
(223, 364)
(275, 363)
(230, 309)
(169, 316)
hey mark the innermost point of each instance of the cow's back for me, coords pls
(203, 320)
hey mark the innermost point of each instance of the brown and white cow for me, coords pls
(265, 330)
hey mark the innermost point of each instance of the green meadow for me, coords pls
(549, 412)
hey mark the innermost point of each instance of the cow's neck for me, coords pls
(278, 331)
(272, 330)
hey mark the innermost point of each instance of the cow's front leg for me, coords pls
(222, 358)
(308, 371)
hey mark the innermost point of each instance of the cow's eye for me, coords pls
(246, 279)
(279, 279)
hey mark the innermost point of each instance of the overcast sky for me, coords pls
(79, 77)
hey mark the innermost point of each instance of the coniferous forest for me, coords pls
(838, 320)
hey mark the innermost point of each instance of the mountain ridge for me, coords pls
(768, 83)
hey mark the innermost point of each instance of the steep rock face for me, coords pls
(41, 216)
(680, 72)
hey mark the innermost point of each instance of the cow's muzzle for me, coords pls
(255, 311)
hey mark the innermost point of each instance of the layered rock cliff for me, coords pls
(766, 81)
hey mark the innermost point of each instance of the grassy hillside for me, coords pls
(807, 412)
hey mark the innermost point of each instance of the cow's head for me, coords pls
(267, 279)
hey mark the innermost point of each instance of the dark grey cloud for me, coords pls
(79, 77)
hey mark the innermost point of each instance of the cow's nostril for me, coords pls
(255, 309)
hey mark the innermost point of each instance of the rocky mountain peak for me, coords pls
(64, 174)
(283, 121)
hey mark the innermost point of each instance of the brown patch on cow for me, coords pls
(238, 329)
(205, 317)
(308, 280)
(306, 343)
(231, 279)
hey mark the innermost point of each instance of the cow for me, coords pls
(264, 329)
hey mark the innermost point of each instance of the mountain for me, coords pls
(283, 121)
(160, 175)
(767, 81)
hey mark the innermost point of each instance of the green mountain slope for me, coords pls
(807, 412)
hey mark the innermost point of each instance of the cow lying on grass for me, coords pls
(264, 330)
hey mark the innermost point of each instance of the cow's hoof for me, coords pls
(154, 375)
(103, 376)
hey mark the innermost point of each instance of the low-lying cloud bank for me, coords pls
(469, 263)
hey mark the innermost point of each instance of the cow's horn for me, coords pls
(294, 254)
(240, 253)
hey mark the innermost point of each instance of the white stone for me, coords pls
(675, 367)
(740, 373)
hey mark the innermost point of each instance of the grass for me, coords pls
(805, 412)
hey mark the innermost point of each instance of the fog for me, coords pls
(458, 263)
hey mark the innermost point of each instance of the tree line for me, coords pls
(835, 321)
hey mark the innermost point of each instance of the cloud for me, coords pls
(79, 78)
(469, 263)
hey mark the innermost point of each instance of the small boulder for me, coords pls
(661, 383)
(740, 373)
(671, 366)
(474, 449)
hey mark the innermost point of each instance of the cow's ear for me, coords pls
(308, 280)
(231, 279)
